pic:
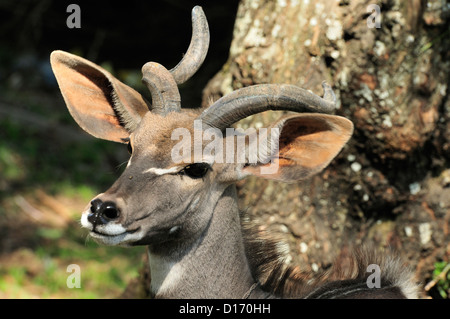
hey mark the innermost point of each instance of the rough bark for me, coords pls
(390, 185)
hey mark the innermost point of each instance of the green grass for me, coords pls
(442, 273)
(42, 271)
(10, 164)
(36, 254)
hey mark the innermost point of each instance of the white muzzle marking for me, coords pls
(111, 234)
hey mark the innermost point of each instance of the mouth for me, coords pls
(111, 234)
(98, 234)
(125, 238)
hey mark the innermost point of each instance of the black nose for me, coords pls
(103, 212)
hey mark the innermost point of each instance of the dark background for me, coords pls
(125, 34)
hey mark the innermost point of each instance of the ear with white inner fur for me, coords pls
(306, 145)
(101, 105)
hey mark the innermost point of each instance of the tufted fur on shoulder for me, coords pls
(267, 258)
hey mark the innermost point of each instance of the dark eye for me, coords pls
(130, 150)
(196, 170)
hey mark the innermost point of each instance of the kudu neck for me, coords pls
(214, 266)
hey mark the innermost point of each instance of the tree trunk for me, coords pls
(390, 185)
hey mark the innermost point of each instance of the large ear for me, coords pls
(100, 104)
(306, 145)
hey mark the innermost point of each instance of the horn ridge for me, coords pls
(162, 83)
(163, 88)
(197, 50)
(255, 99)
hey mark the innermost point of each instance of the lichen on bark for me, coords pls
(392, 82)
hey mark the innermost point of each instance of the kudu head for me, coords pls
(158, 200)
